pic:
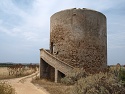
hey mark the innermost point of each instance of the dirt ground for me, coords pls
(23, 85)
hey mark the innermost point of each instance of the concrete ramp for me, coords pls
(58, 65)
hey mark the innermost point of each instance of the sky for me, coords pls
(25, 27)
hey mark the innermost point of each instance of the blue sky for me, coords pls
(25, 27)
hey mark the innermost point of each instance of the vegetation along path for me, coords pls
(23, 85)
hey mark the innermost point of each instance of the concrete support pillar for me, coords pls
(42, 67)
(56, 75)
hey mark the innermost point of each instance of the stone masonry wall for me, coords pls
(78, 37)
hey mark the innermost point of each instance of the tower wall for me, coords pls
(78, 37)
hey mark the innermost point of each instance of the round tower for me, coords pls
(79, 38)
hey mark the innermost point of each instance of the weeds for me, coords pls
(4, 73)
(122, 76)
(5, 88)
(102, 83)
(80, 82)
(119, 72)
(74, 76)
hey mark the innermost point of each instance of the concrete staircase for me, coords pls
(57, 64)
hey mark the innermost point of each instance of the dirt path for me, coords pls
(24, 86)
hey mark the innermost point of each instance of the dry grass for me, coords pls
(5, 88)
(80, 82)
(51, 87)
(102, 83)
(4, 73)
(74, 76)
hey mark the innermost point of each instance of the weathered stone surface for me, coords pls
(79, 38)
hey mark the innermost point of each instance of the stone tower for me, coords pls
(79, 38)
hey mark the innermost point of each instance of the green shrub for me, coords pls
(122, 74)
(102, 83)
(119, 73)
(5, 88)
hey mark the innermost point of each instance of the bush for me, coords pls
(67, 81)
(74, 76)
(122, 74)
(5, 88)
(102, 83)
(119, 72)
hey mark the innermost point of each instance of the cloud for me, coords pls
(32, 24)
(1, 21)
(8, 7)
(116, 40)
(27, 22)
(30, 35)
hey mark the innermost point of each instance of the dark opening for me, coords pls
(56, 53)
(74, 14)
(52, 73)
(60, 75)
(51, 48)
(47, 71)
